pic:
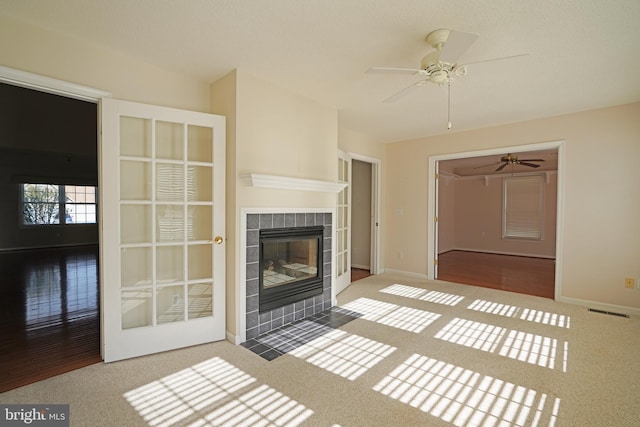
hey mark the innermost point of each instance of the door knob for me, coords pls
(218, 240)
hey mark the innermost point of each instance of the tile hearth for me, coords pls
(287, 338)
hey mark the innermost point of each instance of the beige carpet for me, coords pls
(423, 353)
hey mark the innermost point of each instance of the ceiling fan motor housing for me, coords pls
(510, 159)
(438, 38)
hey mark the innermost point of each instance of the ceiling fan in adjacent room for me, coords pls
(511, 159)
(440, 66)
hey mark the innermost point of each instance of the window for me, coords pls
(58, 204)
(523, 210)
(80, 204)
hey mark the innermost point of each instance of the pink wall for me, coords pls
(446, 213)
(474, 220)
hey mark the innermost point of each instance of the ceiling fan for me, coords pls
(440, 66)
(511, 159)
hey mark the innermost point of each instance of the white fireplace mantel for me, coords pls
(288, 183)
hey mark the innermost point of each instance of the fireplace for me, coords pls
(290, 265)
(260, 320)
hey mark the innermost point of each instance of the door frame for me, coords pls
(431, 207)
(375, 266)
(53, 86)
(70, 90)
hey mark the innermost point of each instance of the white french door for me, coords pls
(343, 225)
(161, 204)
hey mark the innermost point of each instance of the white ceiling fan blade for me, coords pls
(457, 43)
(494, 59)
(388, 70)
(404, 92)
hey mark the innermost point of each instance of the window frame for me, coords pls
(64, 203)
(538, 223)
(61, 204)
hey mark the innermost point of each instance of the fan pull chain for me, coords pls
(449, 104)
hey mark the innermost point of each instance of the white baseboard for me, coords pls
(406, 273)
(233, 339)
(362, 267)
(601, 306)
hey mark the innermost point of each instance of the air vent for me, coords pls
(610, 313)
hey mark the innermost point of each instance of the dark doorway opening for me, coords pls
(49, 268)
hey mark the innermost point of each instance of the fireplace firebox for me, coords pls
(290, 265)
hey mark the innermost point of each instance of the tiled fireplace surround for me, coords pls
(261, 323)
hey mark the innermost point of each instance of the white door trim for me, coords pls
(50, 85)
(559, 145)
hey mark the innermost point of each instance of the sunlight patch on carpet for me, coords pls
(527, 314)
(464, 397)
(396, 316)
(423, 294)
(530, 348)
(344, 354)
(522, 346)
(262, 406)
(179, 395)
(468, 333)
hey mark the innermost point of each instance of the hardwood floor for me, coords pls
(49, 313)
(524, 275)
(359, 273)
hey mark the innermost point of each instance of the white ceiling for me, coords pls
(582, 54)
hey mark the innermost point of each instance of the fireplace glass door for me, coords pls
(290, 265)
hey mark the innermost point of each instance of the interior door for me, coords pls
(161, 204)
(343, 229)
(375, 219)
(435, 220)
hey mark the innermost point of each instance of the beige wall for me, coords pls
(223, 102)
(473, 220)
(274, 132)
(282, 133)
(355, 142)
(28, 48)
(601, 197)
